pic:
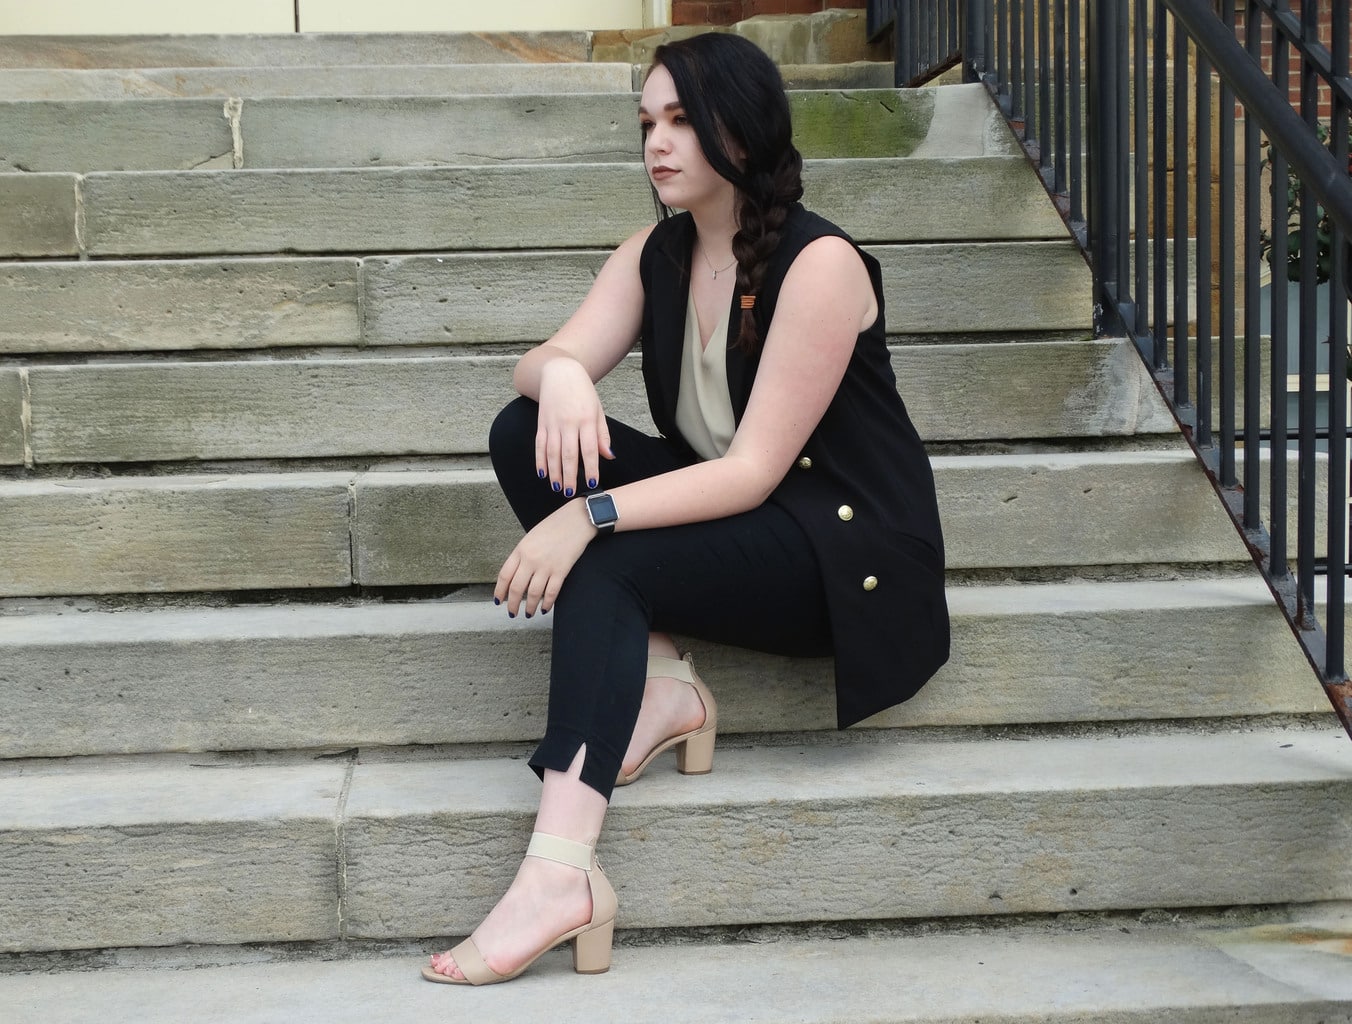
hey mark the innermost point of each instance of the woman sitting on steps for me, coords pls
(787, 507)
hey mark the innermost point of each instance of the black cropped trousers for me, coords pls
(751, 580)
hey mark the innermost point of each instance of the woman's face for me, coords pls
(672, 154)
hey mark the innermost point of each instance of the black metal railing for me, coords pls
(1154, 207)
(925, 36)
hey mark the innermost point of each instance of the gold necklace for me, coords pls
(718, 270)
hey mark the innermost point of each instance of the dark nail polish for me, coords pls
(591, 482)
(557, 486)
(541, 472)
(528, 615)
(511, 615)
(567, 492)
(544, 611)
(497, 601)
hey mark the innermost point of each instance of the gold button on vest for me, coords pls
(805, 463)
(870, 582)
(845, 512)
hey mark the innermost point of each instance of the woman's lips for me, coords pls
(660, 173)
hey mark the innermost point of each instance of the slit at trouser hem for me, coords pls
(558, 749)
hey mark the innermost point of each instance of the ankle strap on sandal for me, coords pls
(674, 668)
(560, 850)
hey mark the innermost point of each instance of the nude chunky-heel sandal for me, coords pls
(591, 942)
(694, 749)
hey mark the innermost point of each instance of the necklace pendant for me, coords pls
(715, 275)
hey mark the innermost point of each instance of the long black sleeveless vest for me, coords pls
(861, 489)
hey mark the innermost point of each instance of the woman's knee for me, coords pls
(514, 428)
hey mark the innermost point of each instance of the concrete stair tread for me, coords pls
(406, 526)
(489, 128)
(358, 848)
(403, 209)
(395, 405)
(1089, 974)
(300, 675)
(456, 298)
(384, 80)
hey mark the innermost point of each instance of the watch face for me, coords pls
(601, 507)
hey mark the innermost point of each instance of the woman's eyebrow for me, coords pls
(675, 105)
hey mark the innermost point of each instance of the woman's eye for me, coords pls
(645, 127)
(680, 119)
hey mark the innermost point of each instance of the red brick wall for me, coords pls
(1325, 37)
(726, 12)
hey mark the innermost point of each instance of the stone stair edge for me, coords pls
(367, 675)
(1093, 972)
(1051, 818)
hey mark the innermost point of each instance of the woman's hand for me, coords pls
(535, 570)
(572, 427)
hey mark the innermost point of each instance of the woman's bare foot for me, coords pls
(670, 707)
(546, 900)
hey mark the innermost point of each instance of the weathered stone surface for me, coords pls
(463, 298)
(143, 305)
(306, 676)
(1081, 509)
(115, 135)
(430, 527)
(550, 206)
(1093, 974)
(174, 533)
(433, 131)
(998, 287)
(164, 411)
(357, 80)
(38, 215)
(155, 855)
(999, 511)
(300, 50)
(871, 831)
(11, 418)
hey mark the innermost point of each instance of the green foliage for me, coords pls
(1323, 225)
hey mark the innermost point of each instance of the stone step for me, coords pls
(347, 80)
(1282, 968)
(997, 288)
(388, 80)
(161, 851)
(317, 408)
(310, 49)
(395, 131)
(408, 527)
(169, 213)
(87, 682)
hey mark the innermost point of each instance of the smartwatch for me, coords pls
(602, 513)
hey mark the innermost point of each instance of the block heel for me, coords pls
(694, 749)
(591, 949)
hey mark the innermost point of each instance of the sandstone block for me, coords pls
(141, 305)
(134, 534)
(11, 418)
(115, 135)
(158, 855)
(38, 215)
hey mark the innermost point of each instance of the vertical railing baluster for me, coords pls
(1225, 153)
(1203, 251)
(1059, 145)
(1308, 405)
(1076, 119)
(1121, 71)
(1160, 184)
(1016, 111)
(1253, 324)
(1003, 61)
(1180, 223)
(1141, 165)
(1334, 628)
(1029, 71)
(1044, 88)
(1277, 567)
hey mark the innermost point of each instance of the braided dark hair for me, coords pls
(734, 97)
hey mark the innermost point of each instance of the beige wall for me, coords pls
(133, 17)
(128, 17)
